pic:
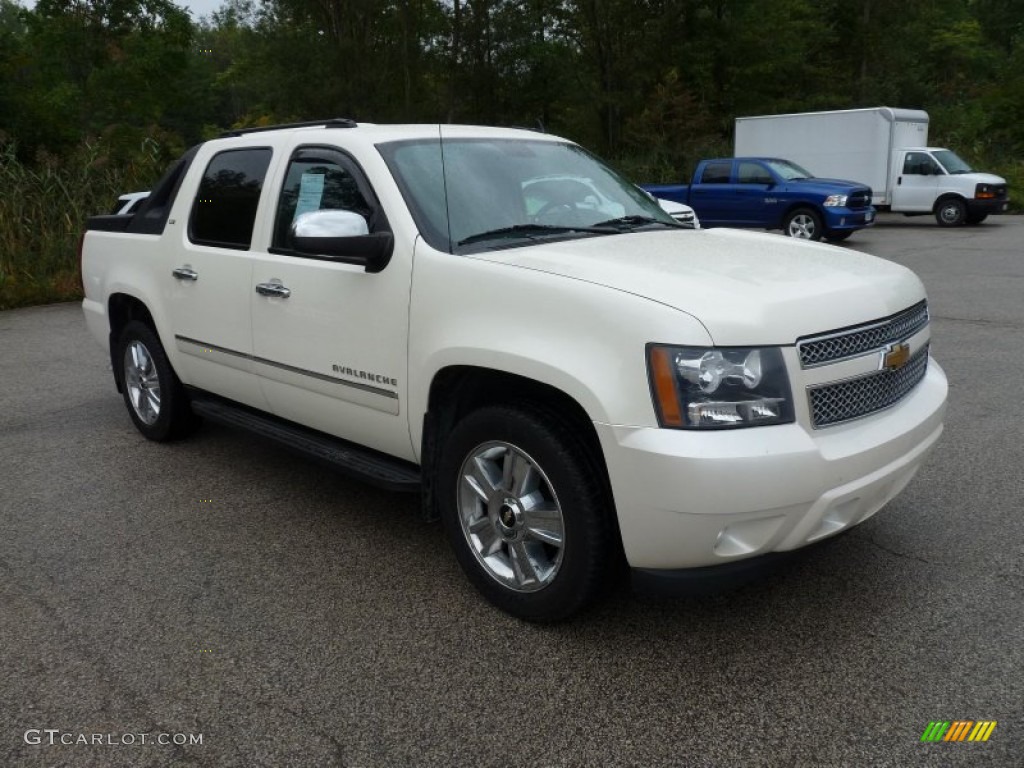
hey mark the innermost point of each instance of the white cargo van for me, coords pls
(885, 148)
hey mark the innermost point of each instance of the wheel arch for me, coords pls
(122, 308)
(797, 205)
(457, 390)
(947, 196)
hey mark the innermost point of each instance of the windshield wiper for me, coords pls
(634, 221)
(528, 230)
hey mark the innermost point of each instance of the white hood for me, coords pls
(982, 178)
(746, 288)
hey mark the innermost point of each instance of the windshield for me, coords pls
(788, 170)
(469, 195)
(951, 161)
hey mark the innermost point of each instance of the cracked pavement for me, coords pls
(302, 619)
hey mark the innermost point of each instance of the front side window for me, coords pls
(473, 194)
(320, 179)
(919, 164)
(753, 173)
(224, 209)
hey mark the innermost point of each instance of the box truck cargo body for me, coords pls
(884, 148)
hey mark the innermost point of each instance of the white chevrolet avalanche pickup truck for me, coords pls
(496, 320)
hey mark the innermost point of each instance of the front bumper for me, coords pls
(840, 219)
(988, 206)
(689, 499)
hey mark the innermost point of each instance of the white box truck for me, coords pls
(885, 148)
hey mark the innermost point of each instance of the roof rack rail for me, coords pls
(334, 122)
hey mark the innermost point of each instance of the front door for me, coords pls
(755, 205)
(917, 183)
(330, 339)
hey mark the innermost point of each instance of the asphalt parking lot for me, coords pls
(222, 588)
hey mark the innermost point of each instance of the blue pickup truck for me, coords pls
(772, 193)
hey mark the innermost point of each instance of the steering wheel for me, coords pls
(556, 207)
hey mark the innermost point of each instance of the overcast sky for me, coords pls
(198, 7)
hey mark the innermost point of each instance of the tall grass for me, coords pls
(43, 207)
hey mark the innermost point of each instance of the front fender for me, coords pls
(583, 339)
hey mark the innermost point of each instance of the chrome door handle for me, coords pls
(185, 273)
(273, 289)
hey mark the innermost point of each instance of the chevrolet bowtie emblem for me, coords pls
(895, 356)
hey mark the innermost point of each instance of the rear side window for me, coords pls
(717, 172)
(224, 210)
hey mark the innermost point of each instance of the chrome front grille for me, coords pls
(839, 345)
(842, 401)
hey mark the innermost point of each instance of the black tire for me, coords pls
(486, 535)
(803, 224)
(155, 398)
(951, 212)
(976, 218)
(838, 237)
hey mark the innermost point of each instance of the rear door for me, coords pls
(330, 347)
(207, 274)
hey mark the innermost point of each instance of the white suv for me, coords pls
(563, 378)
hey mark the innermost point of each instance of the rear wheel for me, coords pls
(951, 212)
(803, 224)
(155, 398)
(525, 512)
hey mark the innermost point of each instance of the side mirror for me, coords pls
(342, 236)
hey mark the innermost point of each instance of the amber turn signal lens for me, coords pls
(665, 388)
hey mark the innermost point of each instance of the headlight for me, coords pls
(984, 191)
(833, 201)
(698, 387)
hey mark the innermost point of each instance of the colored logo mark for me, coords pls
(958, 730)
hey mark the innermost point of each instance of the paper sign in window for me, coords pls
(311, 191)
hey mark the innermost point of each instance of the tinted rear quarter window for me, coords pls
(224, 210)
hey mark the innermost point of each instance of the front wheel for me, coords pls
(525, 512)
(951, 212)
(155, 399)
(803, 224)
